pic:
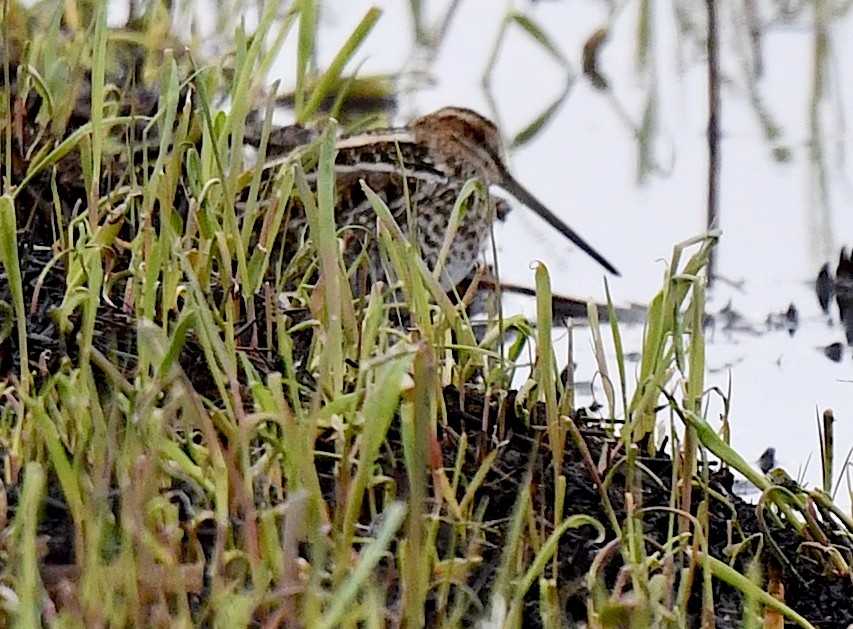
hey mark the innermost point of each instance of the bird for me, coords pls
(419, 171)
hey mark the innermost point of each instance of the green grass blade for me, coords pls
(331, 76)
(12, 264)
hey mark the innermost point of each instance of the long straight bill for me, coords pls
(520, 193)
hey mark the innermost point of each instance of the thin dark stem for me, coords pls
(713, 129)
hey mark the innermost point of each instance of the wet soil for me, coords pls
(493, 423)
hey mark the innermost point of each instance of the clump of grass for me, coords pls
(231, 436)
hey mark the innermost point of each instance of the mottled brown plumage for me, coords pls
(425, 165)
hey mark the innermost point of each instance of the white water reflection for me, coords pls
(778, 226)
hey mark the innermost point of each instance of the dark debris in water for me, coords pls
(729, 320)
(767, 460)
(834, 352)
(824, 287)
(830, 286)
(839, 285)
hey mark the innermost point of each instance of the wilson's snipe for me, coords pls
(424, 166)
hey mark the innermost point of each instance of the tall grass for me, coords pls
(230, 457)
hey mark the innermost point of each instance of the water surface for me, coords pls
(784, 195)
